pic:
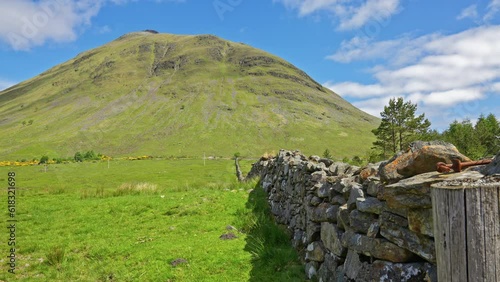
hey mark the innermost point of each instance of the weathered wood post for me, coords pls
(467, 231)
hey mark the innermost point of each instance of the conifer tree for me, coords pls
(399, 127)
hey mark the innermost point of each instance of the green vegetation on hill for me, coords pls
(171, 95)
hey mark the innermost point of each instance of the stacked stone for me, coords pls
(346, 224)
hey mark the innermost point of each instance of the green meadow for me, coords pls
(148, 220)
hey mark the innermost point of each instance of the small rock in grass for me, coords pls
(178, 261)
(228, 236)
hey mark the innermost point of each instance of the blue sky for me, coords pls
(442, 55)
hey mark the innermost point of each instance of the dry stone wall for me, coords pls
(346, 225)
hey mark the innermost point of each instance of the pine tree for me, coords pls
(399, 127)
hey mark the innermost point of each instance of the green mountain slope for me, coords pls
(163, 94)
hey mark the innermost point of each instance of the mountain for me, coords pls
(148, 93)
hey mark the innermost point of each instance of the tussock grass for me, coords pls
(56, 255)
(136, 188)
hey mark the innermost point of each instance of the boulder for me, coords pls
(369, 170)
(315, 252)
(420, 157)
(325, 190)
(323, 212)
(338, 168)
(314, 201)
(373, 230)
(371, 205)
(394, 218)
(374, 187)
(417, 243)
(361, 221)
(402, 272)
(420, 221)
(331, 236)
(375, 247)
(352, 265)
(343, 217)
(415, 192)
(493, 167)
(312, 232)
(355, 193)
(311, 269)
(338, 200)
(326, 272)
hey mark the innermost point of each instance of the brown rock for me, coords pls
(315, 252)
(420, 157)
(420, 221)
(369, 170)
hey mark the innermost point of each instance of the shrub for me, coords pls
(326, 154)
(44, 160)
(90, 155)
(78, 157)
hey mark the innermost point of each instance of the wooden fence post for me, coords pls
(467, 231)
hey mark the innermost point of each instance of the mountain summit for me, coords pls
(163, 94)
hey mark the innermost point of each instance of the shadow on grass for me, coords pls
(273, 257)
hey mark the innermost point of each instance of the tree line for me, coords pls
(400, 126)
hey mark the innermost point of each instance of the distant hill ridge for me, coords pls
(177, 95)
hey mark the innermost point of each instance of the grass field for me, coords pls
(150, 220)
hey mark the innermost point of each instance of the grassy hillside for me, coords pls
(163, 95)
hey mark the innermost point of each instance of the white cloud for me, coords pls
(103, 29)
(4, 84)
(468, 13)
(444, 71)
(495, 87)
(353, 89)
(376, 10)
(493, 9)
(398, 51)
(373, 106)
(350, 14)
(25, 24)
